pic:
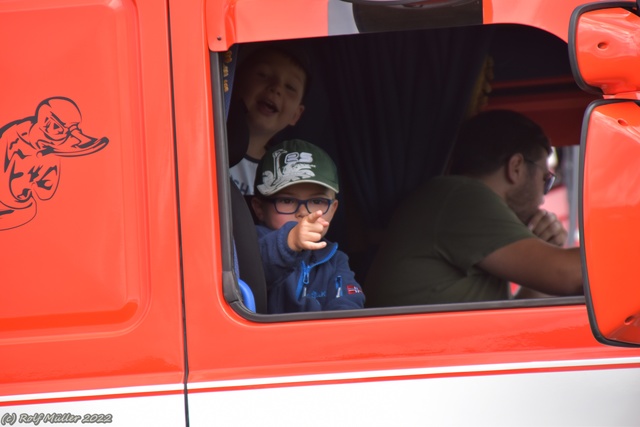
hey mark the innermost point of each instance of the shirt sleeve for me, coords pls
(476, 222)
(278, 259)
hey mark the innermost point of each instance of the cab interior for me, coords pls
(387, 105)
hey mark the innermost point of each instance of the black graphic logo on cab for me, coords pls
(30, 157)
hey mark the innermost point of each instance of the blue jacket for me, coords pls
(306, 280)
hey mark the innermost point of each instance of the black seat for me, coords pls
(244, 230)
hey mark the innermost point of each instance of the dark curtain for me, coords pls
(395, 103)
(386, 106)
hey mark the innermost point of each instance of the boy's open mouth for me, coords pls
(269, 105)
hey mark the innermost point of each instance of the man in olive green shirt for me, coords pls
(464, 237)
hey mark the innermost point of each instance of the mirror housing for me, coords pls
(610, 219)
(603, 47)
(604, 40)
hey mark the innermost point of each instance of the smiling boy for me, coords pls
(271, 83)
(296, 187)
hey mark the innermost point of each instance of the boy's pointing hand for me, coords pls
(308, 233)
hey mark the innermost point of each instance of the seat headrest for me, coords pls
(237, 132)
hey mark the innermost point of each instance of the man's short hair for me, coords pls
(487, 140)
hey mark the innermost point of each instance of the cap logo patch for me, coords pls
(297, 166)
(292, 162)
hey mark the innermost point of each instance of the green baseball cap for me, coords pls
(292, 162)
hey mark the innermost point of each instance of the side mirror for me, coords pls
(610, 219)
(605, 60)
(603, 47)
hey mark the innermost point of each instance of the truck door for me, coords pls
(90, 313)
(495, 363)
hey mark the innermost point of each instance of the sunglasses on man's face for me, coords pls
(549, 177)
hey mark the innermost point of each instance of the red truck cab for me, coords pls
(121, 302)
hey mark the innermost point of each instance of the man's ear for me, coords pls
(256, 204)
(297, 115)
(515, 168)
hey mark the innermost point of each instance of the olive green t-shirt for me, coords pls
(434, 241)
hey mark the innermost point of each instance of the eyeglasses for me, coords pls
(549, 177)
(290, 205)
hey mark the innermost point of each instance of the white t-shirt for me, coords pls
(244, 175)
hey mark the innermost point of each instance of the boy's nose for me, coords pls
(302, 211)
(275, 85)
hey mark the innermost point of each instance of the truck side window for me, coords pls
(390, 116)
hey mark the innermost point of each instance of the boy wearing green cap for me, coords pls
(296, 186)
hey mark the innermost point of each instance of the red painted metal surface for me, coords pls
(116, 320)
(606, 50)
(232, 21)
(611, 208)
(550, 16)
(91, 287)
(367, 343)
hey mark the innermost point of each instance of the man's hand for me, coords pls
(546, 226)
(307, 234)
